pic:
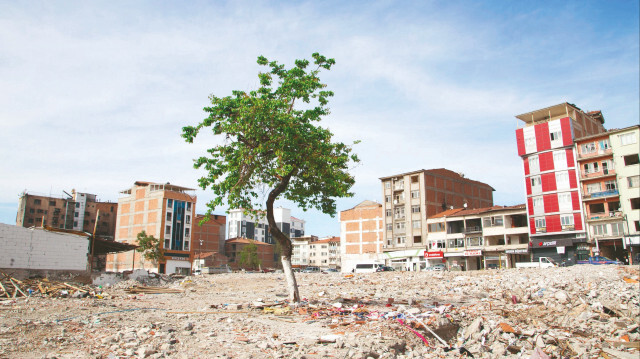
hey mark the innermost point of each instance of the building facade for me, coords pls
(77, 211)
(325, 253)
(164, 211)
(410, 198)
(554, 202)
(361, 235)
(264, 252)
(257, 228)
(473, 239)
(300, 254)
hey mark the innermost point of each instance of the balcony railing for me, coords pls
(473, 229)
(612, 192)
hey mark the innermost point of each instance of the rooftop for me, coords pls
(562, 109)
(440, 172)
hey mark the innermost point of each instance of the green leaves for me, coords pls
(268, 139)
(150, 247)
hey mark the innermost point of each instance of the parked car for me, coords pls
(330, 270)
(311, 270)
(367, 267)
(437, 267)
(385, 269)
(599, 260)
(492, 265)
(543, 262)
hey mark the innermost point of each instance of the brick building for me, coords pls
(409, 198)
(361, 235)
(77, 211)
(554, 203)
(164, 211)
(265, 252)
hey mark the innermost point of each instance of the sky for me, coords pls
(93, 95)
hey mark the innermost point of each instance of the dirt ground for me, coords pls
(581, 311)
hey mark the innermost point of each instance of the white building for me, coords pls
(625, 144)
(301, 250)
(248, 226)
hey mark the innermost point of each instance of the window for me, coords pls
(398, 185)
(37, 201)
(52, 203)
(635, 203)
(541, 224)
(610, 185)
(40, 210)
(414, 179)
(75, 223)
(617, 229)
(387, 198)
(388, 213)
(535, 181)
(169, 203)
(76, 214)
(77, 204)
(415, 194)
(637, 225)
(591, 168)
(389, 226)
(31, 210)
(187, 220)
(415, 209)
(455, 243)
(631, 160)
(594, 188)
(588, 148)
(538, 203)
(416, 224)
(398, 212)
(599, 229)
(437, 244)
(387, 184)
(417, 239)
(627, 139)
(398, 198)
(555, 136)
(559, 159)
(401, 240)
(564, 198)
(566, 221)
(30, 220)
(534, 164)
(168, 230)
(399, 226)
(188, 206)
(495, 221)
(530, 143)
(614, 206)
(633, 181)
(605, 144)
(186, 232)
(474, 241)
(436, 227)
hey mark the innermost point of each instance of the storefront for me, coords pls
(408, 260)
(516, 255)
(561, 250)
(464, 260)
(433, 258)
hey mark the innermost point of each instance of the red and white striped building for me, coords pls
(554, 204)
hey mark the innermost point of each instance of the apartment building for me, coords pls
(409, 198)
(554, 203)
(256, 227)
(361, 235)
(164, 211)
(209, 236)
(474, 239)
(325, 253)
(77, 211)
(301, 251)
(626, 160)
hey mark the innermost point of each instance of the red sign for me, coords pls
(437, 254)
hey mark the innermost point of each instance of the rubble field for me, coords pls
(583, 311)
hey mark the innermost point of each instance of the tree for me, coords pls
(150, 247)
(272, 146)
(249, 256)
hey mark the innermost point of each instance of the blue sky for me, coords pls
(94, 95)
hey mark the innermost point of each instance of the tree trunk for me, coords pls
(283, 240)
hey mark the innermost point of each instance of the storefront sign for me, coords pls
(517, 251)
(551, 243)
(473, 253)
(436, 254)
(177, 258)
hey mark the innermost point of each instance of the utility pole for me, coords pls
(93, 242)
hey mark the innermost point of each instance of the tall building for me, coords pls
(78, 211)
(301, 251)
(409, 198)
(257, 228)
(361, 235)
(164, 211)
(554, 203)
(324, 253)
(625, 144)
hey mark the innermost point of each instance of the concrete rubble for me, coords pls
(576, 312)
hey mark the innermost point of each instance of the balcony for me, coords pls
(473, 229)
(596, 175)
(603, 194)
(599, 153)
(604, 216)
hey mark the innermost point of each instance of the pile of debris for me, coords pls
(11, 287)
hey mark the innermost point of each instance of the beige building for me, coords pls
(473, 239)
(361, 235)
(409, 198)
(300, 251)
(626, 146)
(164, 211)
(325, 253)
